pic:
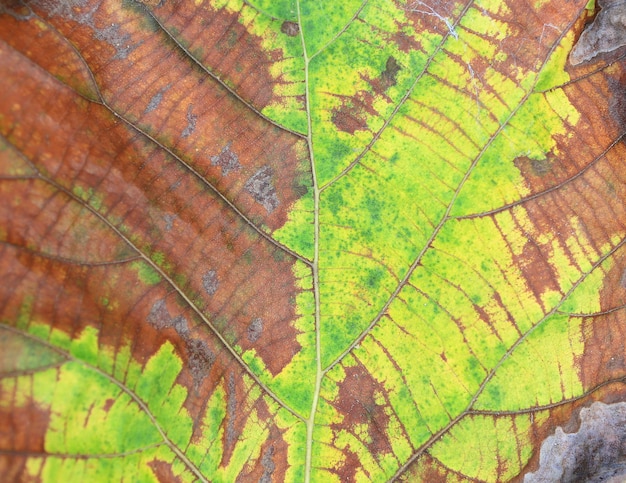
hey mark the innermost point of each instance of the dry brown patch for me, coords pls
(356, 403)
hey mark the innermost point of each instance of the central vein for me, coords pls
(310, 422)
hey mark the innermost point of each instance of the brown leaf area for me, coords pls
(172, 203)
(120, 155)
(70, 296)
(170, 101)
(18, 445)
(82, 156)
(217, 39)
(587, 181)
(358, 405)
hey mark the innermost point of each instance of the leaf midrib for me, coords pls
(317, 384)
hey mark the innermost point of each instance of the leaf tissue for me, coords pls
(306, 241)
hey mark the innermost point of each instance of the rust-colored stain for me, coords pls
(358, 403)
(141, 184)
(179, 105)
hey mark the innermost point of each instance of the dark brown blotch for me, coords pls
(351, 116)
(349, 119)
(357, 404)
(164, 471)
(534, 167)
(348, 469)
(108, 404)
(290, 28)
(389, 75)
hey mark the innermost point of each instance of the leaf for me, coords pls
(304, 241)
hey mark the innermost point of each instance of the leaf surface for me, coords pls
(303, 241)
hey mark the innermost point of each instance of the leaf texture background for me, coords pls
(304, 241)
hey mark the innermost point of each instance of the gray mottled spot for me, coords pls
(159, 317)
(255, 329)
(390, 73)
(595, 453)
(169, 221)
(210, 282)
(201, 359)
(191, 122)
(69, 9)
(227, 160)
(180, 326)
(154, 102)
(151, 3)
(606, 34)
(81, 12)
(112, 36)
(290, 28)
(231, 410)
(267, 462)
(261, 187)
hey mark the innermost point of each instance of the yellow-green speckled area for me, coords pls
(417, 270)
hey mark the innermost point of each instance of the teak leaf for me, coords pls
(256, 240)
